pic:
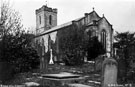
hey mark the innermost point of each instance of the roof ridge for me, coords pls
(58, 27)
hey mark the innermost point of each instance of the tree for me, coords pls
(10, 24)
(94, 48)
(124, 39)
(75, 43)
(16, 47)
(125, 43)
(72, 45)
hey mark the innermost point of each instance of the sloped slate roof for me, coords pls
(105, 19)
(56, 28)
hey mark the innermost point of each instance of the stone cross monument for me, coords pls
(51, 57)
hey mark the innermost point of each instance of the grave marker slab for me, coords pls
(78, 85)
(63, 78)
(109, 72)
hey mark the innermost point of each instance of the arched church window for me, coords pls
(43, 47)
(39, 19)
(50, 20)
(49, 42)
(103, 38)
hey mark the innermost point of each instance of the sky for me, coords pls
(120, 13)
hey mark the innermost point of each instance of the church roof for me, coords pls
(105, 20)
(92, 14)
(56, 28)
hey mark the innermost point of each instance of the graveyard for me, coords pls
(59, 75)
(73, 74)
(84, 52)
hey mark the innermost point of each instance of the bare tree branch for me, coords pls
(10, 21)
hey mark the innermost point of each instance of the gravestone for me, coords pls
(98, 63)
(45, 62)
(109, 73)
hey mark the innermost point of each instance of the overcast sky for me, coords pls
(120, 13)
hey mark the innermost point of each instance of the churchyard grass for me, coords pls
(34, 76)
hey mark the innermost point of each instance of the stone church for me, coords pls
(47, 31)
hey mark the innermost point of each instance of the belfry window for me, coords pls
(50, 20)
(103, 38)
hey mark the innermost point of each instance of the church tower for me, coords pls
(46, 18)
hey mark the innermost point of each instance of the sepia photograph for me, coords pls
(67, 43)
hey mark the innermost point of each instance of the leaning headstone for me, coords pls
(85, 59)
(98, 63)
(45, 62)
(109, 73)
